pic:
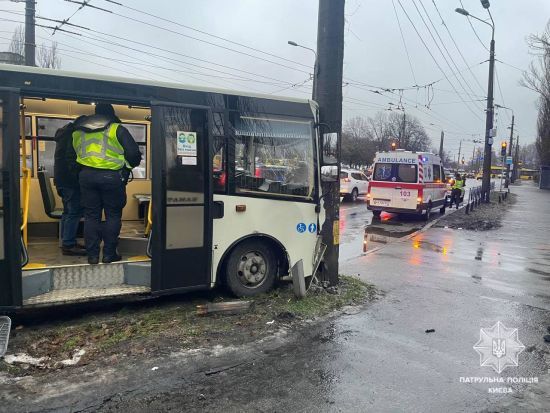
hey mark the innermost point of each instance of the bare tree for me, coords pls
(537, 78)
(362, 138)
(17, 44)
(47, 56)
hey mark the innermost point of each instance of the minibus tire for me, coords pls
(376, 214)
(255, 252)
(442, 210)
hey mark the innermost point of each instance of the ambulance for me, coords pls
(407, 182)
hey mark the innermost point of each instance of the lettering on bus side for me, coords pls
(397, 160)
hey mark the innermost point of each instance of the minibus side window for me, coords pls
(437, 173)
(406, 173)
(273, 155)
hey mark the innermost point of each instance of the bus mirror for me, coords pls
(329, 173)
(329, 148)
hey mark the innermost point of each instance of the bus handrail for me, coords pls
(149, 218)
(26, 198)
(24, 253)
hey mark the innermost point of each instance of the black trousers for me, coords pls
(102, 191)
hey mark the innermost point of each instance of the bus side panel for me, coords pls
(278, 219)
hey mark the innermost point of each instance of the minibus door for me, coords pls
(10, 234)
(182, 197)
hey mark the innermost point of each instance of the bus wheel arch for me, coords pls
(257, 256)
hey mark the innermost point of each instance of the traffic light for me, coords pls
(503, 147)
(463, 161)
(393, 146)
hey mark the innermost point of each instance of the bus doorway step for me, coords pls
(76, 283)
(75, 295)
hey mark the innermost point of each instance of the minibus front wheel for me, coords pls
(251, 268)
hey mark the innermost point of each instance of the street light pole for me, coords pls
(315, 67)
(486, 182)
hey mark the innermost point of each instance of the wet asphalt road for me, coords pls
(379, 358)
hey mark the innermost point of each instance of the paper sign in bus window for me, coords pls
(187, 143)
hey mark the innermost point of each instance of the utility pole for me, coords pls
(486, 183)
(506, 183)
(515, 173)
(328, 85)
(441, 145)
(30, 41)
(459, 150)
(473, 158)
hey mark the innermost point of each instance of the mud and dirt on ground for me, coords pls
(483, 218)
(154, 327)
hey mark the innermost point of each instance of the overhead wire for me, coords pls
(433, 57)
(206, 33)
(166, 29)
(444, 57)
(157, 48)
(404, 43)
(456, 46)
(474, 29)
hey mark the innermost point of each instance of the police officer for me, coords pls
(456, 192)
(106, 152)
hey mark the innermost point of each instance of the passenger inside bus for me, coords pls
(43, 117)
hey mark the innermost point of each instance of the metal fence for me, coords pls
(475, 198)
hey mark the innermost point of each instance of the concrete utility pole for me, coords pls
(330, 62)
(441, 145)
(30, 41)
(509, 153)
(486, 182)
(515, 173)
(459, 150)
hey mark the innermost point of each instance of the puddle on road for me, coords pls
(379, 235)
(429, 246)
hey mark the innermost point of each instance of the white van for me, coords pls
(407, 182)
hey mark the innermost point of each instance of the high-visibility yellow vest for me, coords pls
(100, 149)
(458, 184)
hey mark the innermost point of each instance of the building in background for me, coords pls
(12, 58)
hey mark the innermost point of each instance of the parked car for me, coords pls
(352, 184)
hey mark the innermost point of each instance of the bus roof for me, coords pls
(144, 82)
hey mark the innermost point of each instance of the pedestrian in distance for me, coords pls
(65, 176)
(106, 153)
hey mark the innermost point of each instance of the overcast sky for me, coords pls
(374, 53)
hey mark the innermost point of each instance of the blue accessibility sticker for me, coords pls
(301, 227)
(312, 228)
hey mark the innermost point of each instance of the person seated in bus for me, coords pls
(106, 153)
(65, 176)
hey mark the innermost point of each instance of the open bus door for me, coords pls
(10, 235)
(181, 197)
